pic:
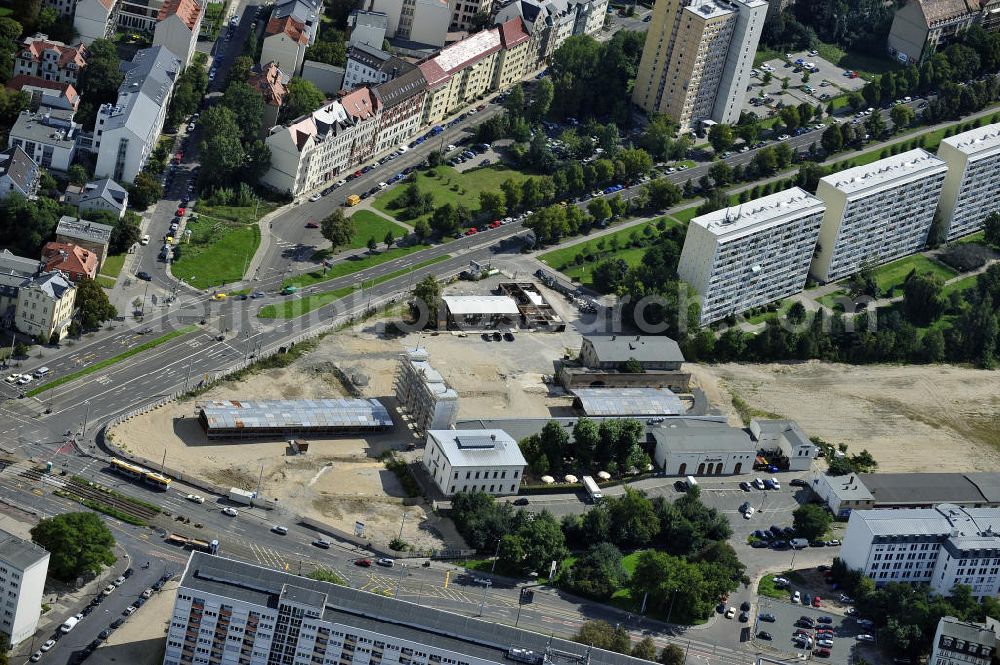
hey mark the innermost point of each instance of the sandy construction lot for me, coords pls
(340, 480)
(919, 418)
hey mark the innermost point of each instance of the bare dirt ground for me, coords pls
(340, 481)
(917, 418)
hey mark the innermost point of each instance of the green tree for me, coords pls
(645, 649)
(599, 209)
(633, 366)
(811, 521)
(832, 139)
(790, 118)
(93, 306)
(491, 204)
(144, 191)
(77, 174)
(222, 149)
(78, 543)
(609, 274)
(328, 51)
(124, 234)
(542, 99)
(991, 229)
(663, 194)
(923, 301)
(390, 239)
(672, 655)
(338, 229)
(99, 80)
(602, 635)
(303, 97)
(585, 439)
(372, 245)
(875, 126)
(421, 229)
(720, 136)
(902, 116)
(511, 192)
(633, 523)
(445, 219)
(721, 173)
(247, 106)
(514, 104)
(426, 295)
(241, 69)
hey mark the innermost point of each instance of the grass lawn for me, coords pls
(299, 306)
(865, 65)
(959, 285)
(367, 225)
(217, 253)
(113, 265)
(767, 588)
(976, 238)
(782, 309)
(241, 214)
(449, 186)
(351, 265)
(686, 215)
(5, 11)
(764, 54)
(105, 281)
(891, 275)
(831, 299)
(107, 362)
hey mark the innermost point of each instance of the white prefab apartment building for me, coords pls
(751, 254)
(233, 613)
(486, 460)
(877, 212)
(23, 567)
(963, 642)
(941, 547)
(971, 190)
(422, 393)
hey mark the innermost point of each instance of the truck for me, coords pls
(593, 491)
(352, 200)
(212, 547)
(241, 496)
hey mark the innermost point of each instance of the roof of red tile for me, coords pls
(459, 55)
(40, 43)
(24, 80)
(69, 258)
(270, 81)
(360, 103)
(188, 11)
(513, 32)
(296, 30)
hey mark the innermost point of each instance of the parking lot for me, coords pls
(845, 645)
(828, 82)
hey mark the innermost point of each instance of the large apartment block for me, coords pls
(941, 547)
(877, 212)
(697, 59)
(233, 613)
(23, 567)
(971, 190)
(422, 393)
(751, 254)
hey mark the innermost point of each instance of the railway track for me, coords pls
(96, 493)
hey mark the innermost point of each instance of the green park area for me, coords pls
(110, 269)
(892, 275)
(217, 251)
(447, 185)
(367, 225)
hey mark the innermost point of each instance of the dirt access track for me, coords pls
(911, 418)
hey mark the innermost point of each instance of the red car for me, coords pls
(357, 174)
(495, 225)
(471, 232)
(364, 563)
(817, 601)
(823, 652)
(312, 225)
(180, 212)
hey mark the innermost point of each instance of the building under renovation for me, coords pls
(422, 394)
(535, 312)
(282, 418)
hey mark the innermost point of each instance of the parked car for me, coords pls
(731, 612)
(322, 544)
(280, 530)
(523, 501)
(385, 562)
(767, 616)
(822, 652)
(194, 498)
(364, 563)
(796, 597)
(230, 511)
(865, 637)
(764, 635)
(48, 645)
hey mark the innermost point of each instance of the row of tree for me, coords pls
(613, 445)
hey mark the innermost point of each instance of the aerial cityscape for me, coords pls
(500, 332)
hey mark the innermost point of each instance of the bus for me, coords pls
(136, 472)
(593, 491)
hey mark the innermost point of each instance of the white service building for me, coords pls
(23, 567)
(487, 460)
(971, 190)
(688, 447)
(787, 439)
(877, 212)
(751, 254)
(941, 547)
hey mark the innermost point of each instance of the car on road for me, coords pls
(322, 544)
(144, 276)
(865, 637)
(744, 617)
(229, 510)
(784, 137)
(257, 294)
(767, 616)
(764, 635)
(144, 240)
(35, 657)
(824, 619)
(120, 581)
(364, 563)
(315, 197)
(108, 590)
(386, 562)
(748, 513)
(180, 212)
(147, 593)
(194, 498)
(833, 543)
(731, 612)
(745, 486)
(129, 611)
(521, 502)
(48, 645)
(218, 296)
(798, 482)
(280, 530)
(312, 225)
(822, 652)
(796, 597)
(817, 601)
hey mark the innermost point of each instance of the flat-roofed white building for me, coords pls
(481, 311)
(486, 460)
(751, 254)
(23, 568)
(971, 190)
(877, 212)
(941, 547)
(691, 447)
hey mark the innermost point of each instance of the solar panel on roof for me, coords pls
(475, 441)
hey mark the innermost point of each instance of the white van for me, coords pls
(691, 481)
(41, 371)
(69, 625)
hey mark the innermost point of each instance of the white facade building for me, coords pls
(941, 547)
(963, 642)
(96, 19)
(971, 190)
(842, 494)
(751, 254)
(686, 447)
(421, 21)
(877, 212)
(786, 439)
(126, 132)
(739, 60)
(233, 613)
(45, 305)
(423, 394)
(486, 460)
(23, 567)
(48, 135)
(178, 26)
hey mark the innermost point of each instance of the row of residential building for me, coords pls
(99, 19)
(388, 100)
(762, 251)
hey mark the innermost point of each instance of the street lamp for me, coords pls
(496, 555)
